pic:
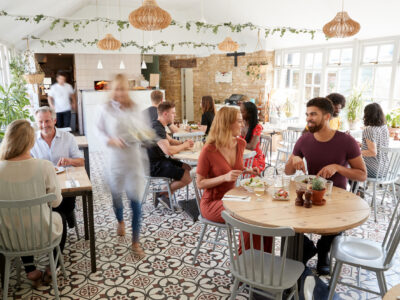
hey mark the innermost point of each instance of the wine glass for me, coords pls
(259, 191)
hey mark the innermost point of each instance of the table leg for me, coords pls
(91, 232)
(85, 216)
(2, 268)
(295, 247)
(87, 162)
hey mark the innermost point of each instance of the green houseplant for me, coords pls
(318, 191)
(14, 100)
(354, 107)
(393, 121)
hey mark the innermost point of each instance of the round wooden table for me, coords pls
(393, 293)
(343, 210)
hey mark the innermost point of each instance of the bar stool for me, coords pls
(155, 185)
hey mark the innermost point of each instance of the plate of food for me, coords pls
(281, 194)
(59, 169)
(303, 180)
(250, 183)
(194, 126)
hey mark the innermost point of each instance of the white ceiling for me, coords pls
(377, 19)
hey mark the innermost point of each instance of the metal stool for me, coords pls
(154, 185)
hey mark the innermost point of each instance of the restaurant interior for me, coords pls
(199, 149)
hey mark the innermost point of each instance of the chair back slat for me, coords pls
(388, 165)
(247, 264)
(265, 144)
(392, 236)
(197, 192)
(15, 218)
(290, 137)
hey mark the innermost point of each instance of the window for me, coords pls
(312, 79)
(291, 71)
(338, 74)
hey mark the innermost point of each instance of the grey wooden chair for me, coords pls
(19, 236)
(268, 273)
(154, 185)
(387, 175)
(206, 223)
(266, 148)
(290, 137)
(367, 255)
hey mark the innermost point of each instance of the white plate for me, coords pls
(300, 178)
(59, 169)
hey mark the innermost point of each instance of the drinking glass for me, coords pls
(69, 174)
(328, 187)
(259, 191)
(185, 123)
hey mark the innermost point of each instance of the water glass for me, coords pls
(328, 187)
(69, 174)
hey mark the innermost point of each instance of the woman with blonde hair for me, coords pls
(23, 177)
(221, 163)
(123, 129)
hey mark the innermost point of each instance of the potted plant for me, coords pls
(354, 108)
(14, 102)
(393, 121)
(318, 191)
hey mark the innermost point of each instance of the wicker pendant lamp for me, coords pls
(35, 76)
(109, 43)
(150, 17)
(228, 45)
(341, 26)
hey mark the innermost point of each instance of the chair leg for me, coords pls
(216, 237)
(199, 243)
(296, 292)
(277, 162)
(76, 227)
(6, 279)
(146, 191)
(374, 199)
(54, 275)
(384, 193)
(234, 289)
(394, 193)
(334, 279)
(381, 282)
(171, 197)
(61, 260)
(18, 272)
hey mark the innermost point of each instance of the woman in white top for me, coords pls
(23, 177)
(122, 127)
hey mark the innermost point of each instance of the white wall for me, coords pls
(86, 68)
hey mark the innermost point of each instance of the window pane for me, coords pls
(307, 93)
(308, 78)
(292, 59)
(385, 53)
(345, 81)
(331, 82)
(382, 82)
(318, 60)
(309, 60)
(316, 92)
(296, 59)
(296, 77)
(347, 55)
(317, 78)
(286, 78)
(278, 60)
(370, 54)
(334, 56)
(277, 73)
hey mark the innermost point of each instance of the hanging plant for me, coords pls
(256, 69)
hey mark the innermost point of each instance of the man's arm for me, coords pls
(75, 162)
(173, 128)
(169, 149)
(51, 101)
(73, 102)
(357, 170)
(173, 141)
(293, 164)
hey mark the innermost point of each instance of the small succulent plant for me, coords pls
(317, 184)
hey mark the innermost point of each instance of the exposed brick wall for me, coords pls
(204, 78)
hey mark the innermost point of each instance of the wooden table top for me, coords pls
(343, 210)
(194, 156)
(79, 174)
(81, 140)
(393, 293)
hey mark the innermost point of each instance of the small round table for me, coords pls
(343, 210)
(393, 293)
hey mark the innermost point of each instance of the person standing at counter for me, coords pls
(208, 108)
(62, 100)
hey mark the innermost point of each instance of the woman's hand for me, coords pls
(252, 171)
(116, 142)
(232, 175)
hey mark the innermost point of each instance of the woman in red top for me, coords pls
(251, 132)
(220, 164)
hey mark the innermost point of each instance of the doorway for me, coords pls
(187, 94)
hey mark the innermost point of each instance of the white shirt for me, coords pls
(29, 179)
(62, 145)
(61, 95)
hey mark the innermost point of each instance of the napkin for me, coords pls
(70, 184)
(237, 199)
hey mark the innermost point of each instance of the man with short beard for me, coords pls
(331, 154)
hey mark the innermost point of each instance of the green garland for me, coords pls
(143, 49)
(78, 24)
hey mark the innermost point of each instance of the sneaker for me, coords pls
(137, 249)
(121, 228)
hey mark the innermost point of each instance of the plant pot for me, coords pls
(317, 197)
(393, 131)
(353, 125)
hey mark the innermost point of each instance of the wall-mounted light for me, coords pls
(122, 65)
(99, 65)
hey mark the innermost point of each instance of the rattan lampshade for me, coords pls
(150, 17)
(341, 26)
(228, 45)
(109, 43)
(36, 78)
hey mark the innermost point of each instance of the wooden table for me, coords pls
(82, 142)
(343, 210)
(84, 190)
(393, 293)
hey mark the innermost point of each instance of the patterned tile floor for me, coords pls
(169, 240)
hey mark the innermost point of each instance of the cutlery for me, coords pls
(233, 196)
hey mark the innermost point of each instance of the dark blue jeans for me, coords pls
(136, 206)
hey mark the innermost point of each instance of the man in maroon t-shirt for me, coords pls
(328, 154)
